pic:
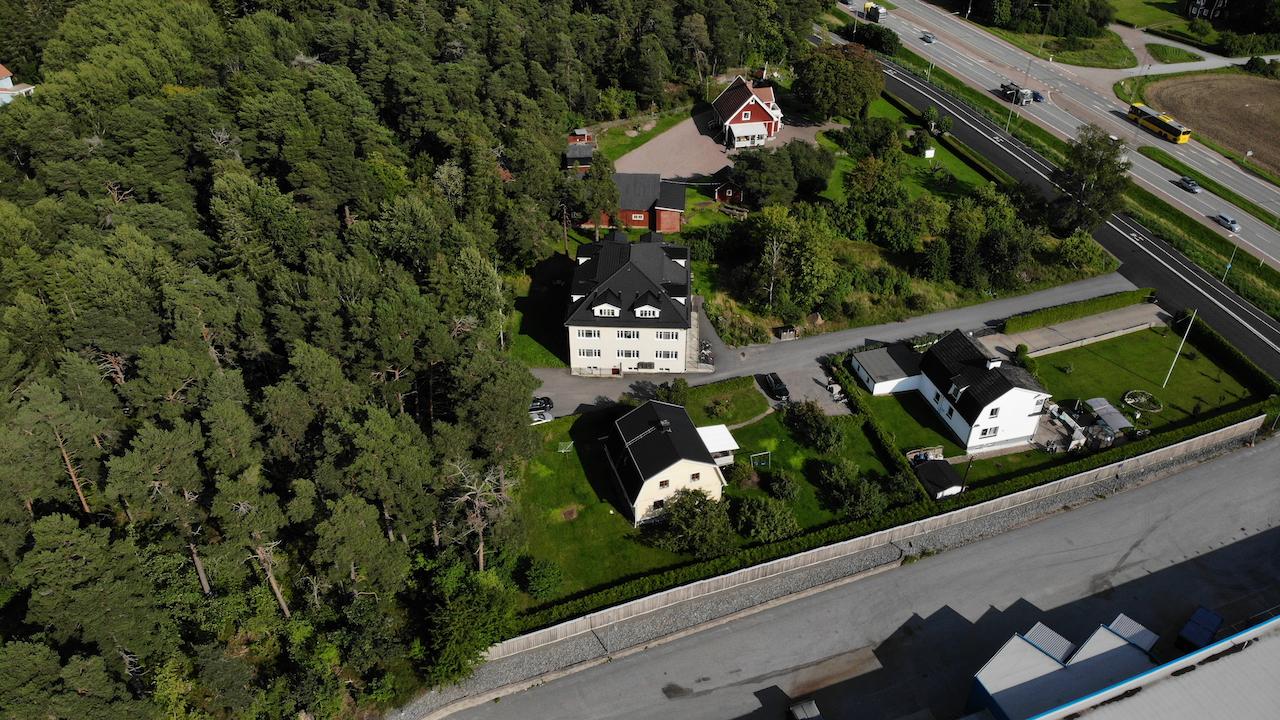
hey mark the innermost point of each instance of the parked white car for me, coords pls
(538, 417)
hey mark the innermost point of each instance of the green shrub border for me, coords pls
(1205, 338)
(1075, 310)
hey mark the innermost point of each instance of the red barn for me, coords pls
(729, 193)
(748, 114)
(646, 201)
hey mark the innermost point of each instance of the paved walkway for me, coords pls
(1079, 332)
(797, 361)
(681, 152)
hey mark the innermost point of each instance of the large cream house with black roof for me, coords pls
(656, 452)
(629, 307)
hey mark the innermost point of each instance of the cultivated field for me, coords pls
(1241, 112)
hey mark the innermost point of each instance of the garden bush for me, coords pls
(812, 426)
(764, 519)
(541, 578)
(693, 524)
(782, 486)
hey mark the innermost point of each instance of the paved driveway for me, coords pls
(797, 361)
(681, 152)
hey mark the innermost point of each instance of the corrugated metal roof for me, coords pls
(1053, 644)
(1109, 415)
(1133, 631)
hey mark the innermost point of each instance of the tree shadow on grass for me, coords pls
(586, 433)
(541, 311)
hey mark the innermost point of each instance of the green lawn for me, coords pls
(1171, 54)
(566, 517)
(1159, 15)
(913, 423)
(789, 456)
(537, 339)
(960, 178)
(741, 397)
(701, 209)
(1104, 51)
(614, 142)
(1139, 361)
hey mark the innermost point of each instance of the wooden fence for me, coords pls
(667, 598)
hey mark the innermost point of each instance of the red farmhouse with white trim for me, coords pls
(749, 114)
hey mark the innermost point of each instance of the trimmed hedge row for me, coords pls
(881, 438)
(1075, 310)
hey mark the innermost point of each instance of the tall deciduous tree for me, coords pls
(1093, 175)
(838, 80)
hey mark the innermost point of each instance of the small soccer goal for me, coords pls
(1143, 401)
(565, 447)
(762, 460)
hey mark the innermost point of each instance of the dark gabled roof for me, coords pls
(637, 191)
(579, 151)
(654, 437)
(628, 275)
(670, 197)
(937, 476)
(957, 359)
(733, 97)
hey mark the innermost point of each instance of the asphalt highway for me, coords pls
(1077, 96)
(1147, 260)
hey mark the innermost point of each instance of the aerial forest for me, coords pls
(259, 423)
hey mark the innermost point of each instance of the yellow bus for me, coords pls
(1159, 123)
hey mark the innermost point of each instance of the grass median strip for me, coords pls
(1105, 51)
(1211, 185)
(1171, 54)
(1250, 278)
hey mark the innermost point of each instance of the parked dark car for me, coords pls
(1037, 96)
(775, 388)
(541, 403)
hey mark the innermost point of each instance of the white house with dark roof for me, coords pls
(987, 404)
(748, 114)
(656, 451)
(10, 90)
(629, 307)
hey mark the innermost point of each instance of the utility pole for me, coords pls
(1234, 248)
(1190, 322)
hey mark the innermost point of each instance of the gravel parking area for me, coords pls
(681, 152)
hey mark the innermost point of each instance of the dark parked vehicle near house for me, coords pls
(775, 388)
(541, 403)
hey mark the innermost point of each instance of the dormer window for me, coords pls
(646, 312)
(955, 391)
(606, 311)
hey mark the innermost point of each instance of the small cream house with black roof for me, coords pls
(657, 451)
(629, 307)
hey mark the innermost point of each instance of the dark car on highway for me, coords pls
(775, 388)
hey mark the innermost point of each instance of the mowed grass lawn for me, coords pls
(920, 177)
(567, 515)
(787, 455)
(1105, 51)
(913, 423)
(566, 499)
(1139, 361)
(1160, 14)
(726, 402)
(1171, 54)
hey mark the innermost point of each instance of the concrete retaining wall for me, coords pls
(1132, 468)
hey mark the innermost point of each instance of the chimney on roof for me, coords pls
(993, 363)
(664, 426)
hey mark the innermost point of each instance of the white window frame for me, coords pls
(666, 355)
(637, 217)
(588, 333)
(728, 192)
(995, 412)
(606, 312)
(589, 352)
(667, 335)
(989, 432)
(746, 114)
(628, 354)
(628, 334)
(646, 313)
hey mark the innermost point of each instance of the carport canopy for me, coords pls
(1110, 416)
